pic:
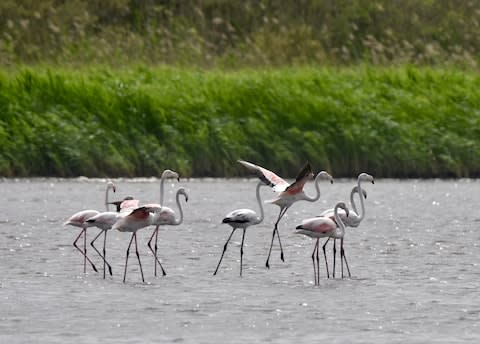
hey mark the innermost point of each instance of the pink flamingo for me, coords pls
(79, 220)
(354, 219)
(242, 218)
(143, 217)
(165, 174)
(321, 227)
(288, 193)
(106, 220)
(137, 219)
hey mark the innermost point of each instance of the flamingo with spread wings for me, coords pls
(288, 194)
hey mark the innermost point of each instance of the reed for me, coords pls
(392, 122)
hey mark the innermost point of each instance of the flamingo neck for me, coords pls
(362, 205)
(341, 225)
(259, 202)
(106, 197)
(162, 181)
(180, 210)
(352, 200)
(317, 188)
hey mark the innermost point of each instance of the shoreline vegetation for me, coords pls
(128, 88)
(402, 121)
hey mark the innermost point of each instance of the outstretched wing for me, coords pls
(302, 177)
(268, 177)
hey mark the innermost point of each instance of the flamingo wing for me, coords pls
(268, 177)
(239, 216)
(318, 225)
(302, 177)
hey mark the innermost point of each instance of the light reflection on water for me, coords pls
(414, 260)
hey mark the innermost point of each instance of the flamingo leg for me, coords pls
(342, 251)
(334, 256)
(155, 251)
(223, 252)
(138, 256)
(83, 252)
(318, 264)
(313, 261)
(241, 252)
(92, 243)
(126, 260)
(325, 255)
(275, 231)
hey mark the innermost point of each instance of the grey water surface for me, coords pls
(414, 262)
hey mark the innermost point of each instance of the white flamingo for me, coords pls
(166, 174)
(165, 216)
(321, 227)
(242, 218)
(106, 220)
(354, 218)
(79, 220)
(288, 193)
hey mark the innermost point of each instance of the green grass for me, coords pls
(391, 122)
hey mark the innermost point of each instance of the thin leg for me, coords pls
(325, 255)
(85, 251)
(155, 252)
(275, 231)
(318, 264)
(241, 252)
(92, 243)
(224, 249)
(138, 256)
(84, 231)
(313, 262)
(334, 256)
(126, 260)
(342, 251)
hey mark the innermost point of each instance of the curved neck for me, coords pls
(341, 226)
(179, 220)
(352, 200)
(260, 219)
(317, 187)
(362, 205)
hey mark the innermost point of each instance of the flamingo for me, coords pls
(353, 220)
(242, 218)
(79, 220)
(321, 227)
(165, 174)
(288, 193)
(139, 218)
(106, 220)
(165, 216)
(142, 217)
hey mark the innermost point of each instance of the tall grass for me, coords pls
(392, 122)
(240, 33)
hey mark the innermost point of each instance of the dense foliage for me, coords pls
(391, 122)
(235, 33)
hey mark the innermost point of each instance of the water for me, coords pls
(414, 260)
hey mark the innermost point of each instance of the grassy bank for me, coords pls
(392, 122)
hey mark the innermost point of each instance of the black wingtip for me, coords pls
(299, 227)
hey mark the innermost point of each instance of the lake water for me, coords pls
(414, 261)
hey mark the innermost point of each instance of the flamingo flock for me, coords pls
(131, 215)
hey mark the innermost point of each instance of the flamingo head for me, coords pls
(111, 186)
(343, 206)
(181, 191)
(325, 175)
(170, 174)
(365, 177)
(355, 189)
